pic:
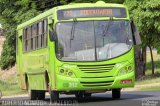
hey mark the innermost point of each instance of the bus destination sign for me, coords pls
(91, 12)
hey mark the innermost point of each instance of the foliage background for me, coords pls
(12, 13)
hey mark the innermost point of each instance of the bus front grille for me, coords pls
(97, 84)
(96, 68)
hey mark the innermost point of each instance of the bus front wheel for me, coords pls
(54, 96)
(116, 93)
(82, 94)
(41, 95)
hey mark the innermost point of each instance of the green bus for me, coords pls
(79, 48)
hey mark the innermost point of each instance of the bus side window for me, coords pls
(34, 37)
(40, 34)
(29, 39)
(25, 40)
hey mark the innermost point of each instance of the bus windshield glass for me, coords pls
(93, 40)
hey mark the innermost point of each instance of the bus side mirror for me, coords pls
(136, 36)
(52, 35)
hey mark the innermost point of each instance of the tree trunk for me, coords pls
(144, 59)
(152, 62)
(138, 63)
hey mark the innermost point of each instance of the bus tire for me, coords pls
(87, 94)
(32, 93)
(116, 93)
(79, 95)
(54, 96)
(41, 95)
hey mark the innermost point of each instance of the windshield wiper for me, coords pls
(73, 30)
(105, 31)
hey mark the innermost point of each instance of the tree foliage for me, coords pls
(146, 15)
(12, 13)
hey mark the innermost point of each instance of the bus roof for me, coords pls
(68, 6)
(97, 4)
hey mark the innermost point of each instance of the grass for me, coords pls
(10, 86)
(156, 88)
(148, 81)
(156, 56)
(152, 80)
(149, 78)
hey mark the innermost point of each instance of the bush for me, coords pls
(149, 65)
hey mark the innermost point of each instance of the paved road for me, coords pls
(145, 98)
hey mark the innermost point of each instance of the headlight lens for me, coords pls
(125, 70)
(61, 70)
(66, 72)
(129, 68)
(122, 71)
(70, 73)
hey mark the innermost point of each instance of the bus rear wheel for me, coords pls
(35, 94)
(32, 94)
(41, 95)
(54, 96)
(116, 93)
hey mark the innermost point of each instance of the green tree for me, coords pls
(146, 15)
(12, 13)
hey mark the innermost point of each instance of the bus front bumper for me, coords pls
(73, 84)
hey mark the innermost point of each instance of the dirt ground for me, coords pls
(5, 74)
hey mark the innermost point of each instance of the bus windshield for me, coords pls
(93, 40)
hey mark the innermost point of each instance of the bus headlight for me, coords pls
(70, 73)
(122, 72)
(66, 72)
(61, 70)
(129, 68)
(125, 70)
